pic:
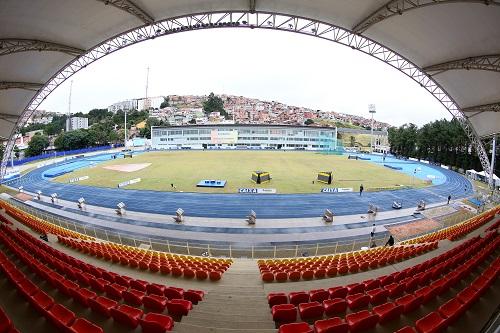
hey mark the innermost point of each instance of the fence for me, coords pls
(197, 248)
(226, 250)
(65, 152)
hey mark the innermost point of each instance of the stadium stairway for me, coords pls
(238, 303)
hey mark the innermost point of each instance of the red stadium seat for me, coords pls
(139, 284)
(334, 306)
(377, 296)
(337, 292)
(41, 301)
(295, 328)
(357, 301)
(179, 307)
(318, 295)
(83, 295)
(331, 325)
(355, 288)
(157, 289)
(395, 289)
(310, 310)
(156, 323)
(173, 293)
(60, 316)
(114, 291)
(126, 315)
(82, 325)
(432, 323)
(277, 298)
(284, 313)
(133, 296)
(360, 321)
(298, 297)
(194, 296)
(388, 311)
(102, 305)
(155, 303)
(451, 310)
(409, 302)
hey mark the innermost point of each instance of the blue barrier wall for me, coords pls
(64, 152)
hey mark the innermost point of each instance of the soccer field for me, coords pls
(291, 171)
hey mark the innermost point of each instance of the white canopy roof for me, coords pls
(458, 42)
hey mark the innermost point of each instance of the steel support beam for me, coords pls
(11, 118)
(398, 7)
(484, 62)
(261, 20)
(21, 85)
(493, 107)
(252, 5)
(13, 45)
(131, 8)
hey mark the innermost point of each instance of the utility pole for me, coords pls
(147, 82)
(493, 148)
(125, 143)
(68, 119)
(371, 109)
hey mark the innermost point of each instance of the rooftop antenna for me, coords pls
(68, 127)
(147, 82)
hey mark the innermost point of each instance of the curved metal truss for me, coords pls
(251, 20)
(13, 45)
(398, 7)
(483, 62)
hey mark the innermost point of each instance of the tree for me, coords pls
(192, 121)
(37, 145)
(17, 152)
(308, 122)
(352, 140)
(72, 140)
(146, 131)
(214, 104)
(97, 115)
(165, 103)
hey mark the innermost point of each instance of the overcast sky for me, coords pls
(268, 65)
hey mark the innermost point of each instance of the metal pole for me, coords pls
(125, 143)
(492, 181)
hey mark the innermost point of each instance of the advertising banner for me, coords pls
(257, 190)
(336, 189)
(74, 180)
(129, 182)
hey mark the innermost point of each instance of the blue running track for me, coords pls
(238, 205)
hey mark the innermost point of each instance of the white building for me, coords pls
(75, 123)
(150, 102)
(124, 105)
(230, 136)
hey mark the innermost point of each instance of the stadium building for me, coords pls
(244, 136)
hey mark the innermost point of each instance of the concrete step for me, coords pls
(233, 323)
(188, 328)
(251, 314)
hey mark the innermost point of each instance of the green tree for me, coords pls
(146, 131)
(165, 103)
(37, 145)
(17, 151)
(214, 104)
(72, 140)
(308, 122)
(98, 115)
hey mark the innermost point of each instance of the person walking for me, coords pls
(390, 241)
(361, 188)
(449, 198)
(373, 231)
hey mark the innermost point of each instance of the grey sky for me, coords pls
(269, 65)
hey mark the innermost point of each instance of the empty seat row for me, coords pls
(458, 230)
(6, 325)
(294, 269)
(66, 321)
(98, 278)
(187, 266)
(309, 305)
(200, 268)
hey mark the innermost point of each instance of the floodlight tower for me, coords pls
(371, 109)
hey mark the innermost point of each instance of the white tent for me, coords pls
(485, 177)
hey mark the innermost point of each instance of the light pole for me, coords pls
(125, 143)
(371, 109)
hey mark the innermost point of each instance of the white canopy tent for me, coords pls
(451, 48)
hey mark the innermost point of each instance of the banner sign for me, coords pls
(129, 182)
(336, 189)
(74, 180)
(257, 190)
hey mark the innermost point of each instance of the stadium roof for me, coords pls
(457, 43)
